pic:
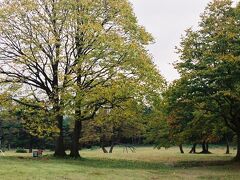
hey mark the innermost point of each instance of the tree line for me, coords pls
(78, 73)
(202, 106)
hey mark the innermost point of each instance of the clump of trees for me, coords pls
(68, 57)
(77, 73)
(203, 105)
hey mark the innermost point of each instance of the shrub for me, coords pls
(21, 150)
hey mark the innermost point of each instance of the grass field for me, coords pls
(145, 163)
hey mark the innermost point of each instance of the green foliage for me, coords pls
(209, 58)
(203, 105)
(73, 58)
(111, 126)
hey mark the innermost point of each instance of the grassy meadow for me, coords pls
(145, 163)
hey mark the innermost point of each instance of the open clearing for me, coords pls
(145, 163)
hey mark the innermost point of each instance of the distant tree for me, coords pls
(112, 126)
(185, 118)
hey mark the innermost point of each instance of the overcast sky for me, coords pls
(167, 20)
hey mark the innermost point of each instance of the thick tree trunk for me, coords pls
(181, 148)
(193, 150)
(55, 96)
(75, 141)
(228, 148)
(204, 150)
(203, 147)
(78, 121)
(59, 148)
(237, 158)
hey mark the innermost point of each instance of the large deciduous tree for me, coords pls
(210, 58)
(110, 46)
(36, 53)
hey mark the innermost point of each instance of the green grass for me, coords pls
(146, 163)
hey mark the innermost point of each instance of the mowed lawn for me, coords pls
(145, 163)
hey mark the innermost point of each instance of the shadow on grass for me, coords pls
(89, 162)
(163, 166)
(130, 164)
(123, 164)
(118, 164)
(190, 164)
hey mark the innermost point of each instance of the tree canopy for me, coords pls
(66, 57)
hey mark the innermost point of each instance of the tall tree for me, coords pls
(110, 46)
(36, 54)
(210, 56)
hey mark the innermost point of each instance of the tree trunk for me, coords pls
(193, 150)
(78, 121)
(103, 148)
(1, 134)
(237, 158)
(55, 96)
(111, 148)
(227, 143)
(30, 144)
(75, 141)
(205, 148)
(59, 148)
(181, 149)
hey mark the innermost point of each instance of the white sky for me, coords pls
(167, 20)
